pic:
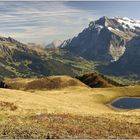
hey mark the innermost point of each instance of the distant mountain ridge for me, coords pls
(11, 40)
(21, 60)
(54, 44)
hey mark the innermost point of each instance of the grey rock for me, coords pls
(3, 84)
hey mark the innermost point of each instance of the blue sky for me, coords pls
(42, 22)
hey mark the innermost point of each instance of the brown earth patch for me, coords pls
(5, 106)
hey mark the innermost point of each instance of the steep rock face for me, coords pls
(104, 40)
(96, 80)
(133, 51)
(129, 63)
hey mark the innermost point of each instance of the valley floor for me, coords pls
(72, 112)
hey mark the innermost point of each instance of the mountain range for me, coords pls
(21, 60)
(108, 45)
(54, 44)
(105, 39)
(113, 42)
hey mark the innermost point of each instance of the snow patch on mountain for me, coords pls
(129, 23)
(99, 26)
(110, 28)
(65, 42)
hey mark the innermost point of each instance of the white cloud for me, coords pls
(28, 21)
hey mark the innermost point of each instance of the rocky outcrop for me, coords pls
(11, 40)
(96, 80)
(3, 84)
(129, 63)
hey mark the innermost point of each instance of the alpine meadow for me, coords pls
(69, 70)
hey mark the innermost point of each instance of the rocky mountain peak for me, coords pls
(102, 22)
(117, 25)
(105, 39)
(9, 39)
(12, 40)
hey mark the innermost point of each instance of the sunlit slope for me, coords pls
(75, 100)
(71, 112)
(47, 83)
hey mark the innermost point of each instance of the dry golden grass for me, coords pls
(70, 112)
(70, 126)
(47, 83)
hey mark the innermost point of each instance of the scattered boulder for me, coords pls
(3, 84)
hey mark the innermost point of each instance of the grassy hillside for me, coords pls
(71, 112)
(47, 83)
(96, 80)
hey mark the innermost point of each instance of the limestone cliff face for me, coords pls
(130, 61)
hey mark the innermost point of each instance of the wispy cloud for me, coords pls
(28, 21)
(35, 21)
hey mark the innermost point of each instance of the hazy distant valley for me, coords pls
(20, 60)
(109, 46)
